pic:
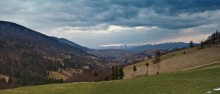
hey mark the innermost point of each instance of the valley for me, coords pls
(109, 47)
(61, 66)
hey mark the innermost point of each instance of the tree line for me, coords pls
(117, 72)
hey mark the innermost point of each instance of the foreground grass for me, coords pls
(188, 82)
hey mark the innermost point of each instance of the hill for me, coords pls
(65, 41)
(206, 53)
(177, 61)
(187, 82)
(28, 57)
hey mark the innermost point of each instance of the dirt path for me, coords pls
(201, 66)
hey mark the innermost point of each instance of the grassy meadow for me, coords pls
(187, 82)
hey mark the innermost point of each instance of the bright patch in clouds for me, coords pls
(194, 38)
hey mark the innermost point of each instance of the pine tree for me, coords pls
(95, 74)
(10, 80)
(158, 53)
(157, 60)
(218, 37)
(147, 67)
(106, 78)
(121, 73)
(134, 69)
(157, 57)
(191, 44)
(116, 72)
(202, 44)
(2, 80)
(113, 73)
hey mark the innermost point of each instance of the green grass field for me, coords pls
(187, 82)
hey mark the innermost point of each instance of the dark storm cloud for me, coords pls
(175, 6)
(120, 12)
(167, 11)
(117, 12)
(126, 12)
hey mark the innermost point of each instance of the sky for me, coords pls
(95, 23)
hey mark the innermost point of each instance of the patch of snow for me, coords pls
(217, 89)
(120, 45)
(208, 92)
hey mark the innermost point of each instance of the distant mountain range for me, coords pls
(162, 46)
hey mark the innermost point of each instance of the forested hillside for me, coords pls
(28, 57)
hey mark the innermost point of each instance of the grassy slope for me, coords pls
(177, 61)
(187, 82)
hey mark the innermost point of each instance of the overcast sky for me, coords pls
(93, 23)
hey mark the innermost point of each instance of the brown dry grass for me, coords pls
(177, 62)
(57, 75)
(3, 76)
(64, 73)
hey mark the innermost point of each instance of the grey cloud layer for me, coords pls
(119, 12)
(168, 15)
